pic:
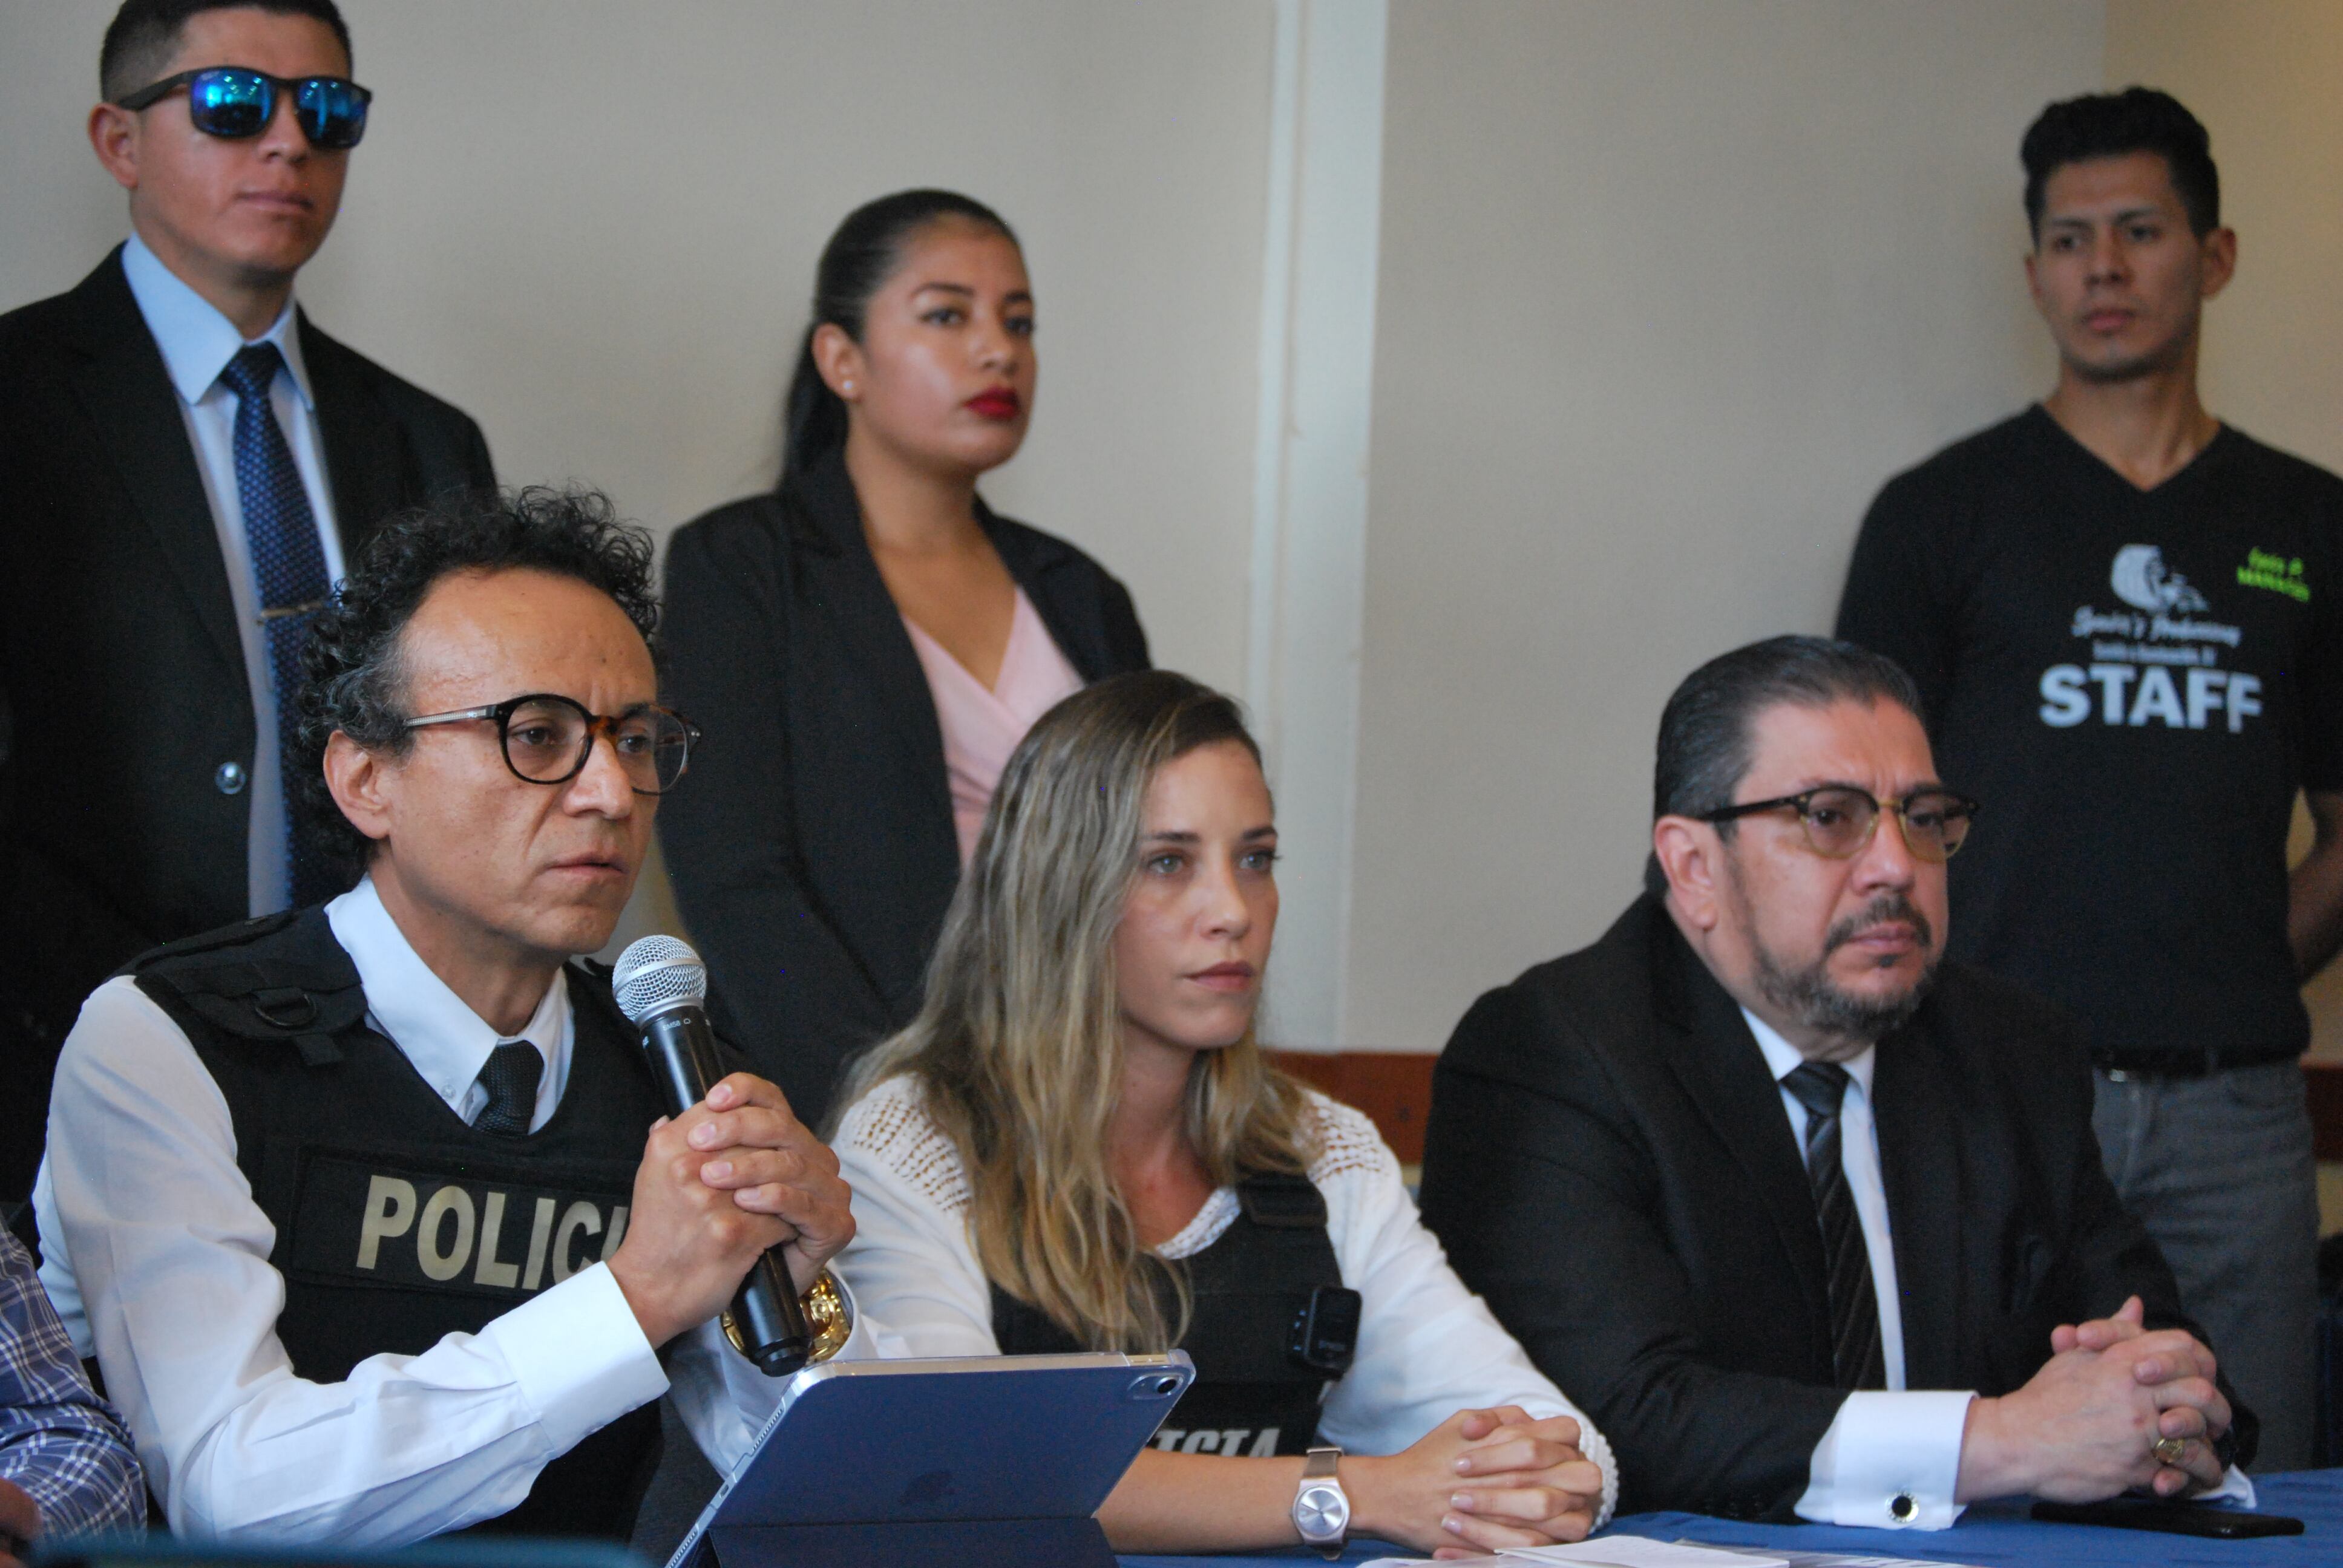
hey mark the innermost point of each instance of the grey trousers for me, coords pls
(2219, 1170)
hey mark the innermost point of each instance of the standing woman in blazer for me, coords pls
(866, 645)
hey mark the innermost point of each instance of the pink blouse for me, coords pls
(982, 725)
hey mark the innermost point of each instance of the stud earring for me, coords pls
(847, 387)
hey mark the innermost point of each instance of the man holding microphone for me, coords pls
(368, 1211)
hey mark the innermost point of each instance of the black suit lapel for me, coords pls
(1715, 1058)
(361, 442)
(1920, 1166)
(1037, 561)
(128, 397)
(841, 582)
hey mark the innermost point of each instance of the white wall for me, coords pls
(593, 224)
(1664, 290)
(1668, 289)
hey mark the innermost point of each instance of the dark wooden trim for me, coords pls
(1394, 1088)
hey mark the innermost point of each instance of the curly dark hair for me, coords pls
(2111, 124)
(353, 677)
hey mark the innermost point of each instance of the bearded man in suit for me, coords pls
(1813, 1223)
(188, 462)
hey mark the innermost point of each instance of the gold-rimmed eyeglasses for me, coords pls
(1840, 818)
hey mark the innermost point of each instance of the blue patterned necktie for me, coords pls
(288, 572)
(1856, 1354)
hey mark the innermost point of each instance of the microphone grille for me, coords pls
(654, 974)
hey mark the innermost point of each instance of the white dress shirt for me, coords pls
(1900, 1444)
(1427, 1346)
(1882, 1446)
(196, 344)
(157, 1259)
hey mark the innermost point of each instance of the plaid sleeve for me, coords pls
(58, 1440)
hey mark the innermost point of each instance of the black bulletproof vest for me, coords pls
(1250, 1396)
(396, 1224)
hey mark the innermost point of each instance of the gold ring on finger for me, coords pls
(2170, 1450)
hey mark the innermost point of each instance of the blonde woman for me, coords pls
(1077, 1142)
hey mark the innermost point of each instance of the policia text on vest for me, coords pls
(397, 1224)
(415, 1227)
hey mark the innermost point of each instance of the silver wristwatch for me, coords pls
(1322, 1508)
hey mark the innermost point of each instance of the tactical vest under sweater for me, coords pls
(397, 1224)
(1252, 1395)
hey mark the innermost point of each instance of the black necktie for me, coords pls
(1855, 1352)
(288, 571)
(510, 1078)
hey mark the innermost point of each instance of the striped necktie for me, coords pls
(1855, 1352)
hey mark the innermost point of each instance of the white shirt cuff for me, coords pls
(578, 1355)
(870, 1341)
(1889, 1461)
(2235, 1487)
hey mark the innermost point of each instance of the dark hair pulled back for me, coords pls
(1707, 730)
(858, 260)
(1707, 742)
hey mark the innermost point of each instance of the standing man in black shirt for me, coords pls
(2122, 616)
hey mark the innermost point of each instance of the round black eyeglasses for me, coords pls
(548, 739)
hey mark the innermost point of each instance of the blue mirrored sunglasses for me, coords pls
(235, 101)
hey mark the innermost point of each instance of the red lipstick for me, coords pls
(996, 403)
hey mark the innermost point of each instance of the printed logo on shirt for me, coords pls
(2279, 574)
(357, 1220)
(2155, 663)
(2140, 580)
(1236, 1442)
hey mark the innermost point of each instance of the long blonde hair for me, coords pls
(1018, 1045)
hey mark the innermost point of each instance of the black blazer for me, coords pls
(812, 848)
(122, 676)
(1608, 1163)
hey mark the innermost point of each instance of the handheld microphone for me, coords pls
(661, 985)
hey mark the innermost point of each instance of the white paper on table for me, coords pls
(1615, 1552)
(1630, 1552)
(1839, 1558)
(1638, 1552)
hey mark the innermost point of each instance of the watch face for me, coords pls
(1321, 1513)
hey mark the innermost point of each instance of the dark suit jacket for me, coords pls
(1608, 1163)
(120, 672)
(812, 848)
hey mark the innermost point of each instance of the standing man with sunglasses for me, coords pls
(361, 1207)
(2124, 616)
(1810, 1220)
(189, 462)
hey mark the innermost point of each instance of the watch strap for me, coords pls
(1318, 1476)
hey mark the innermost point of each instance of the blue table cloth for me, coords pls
(1987, 1535)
